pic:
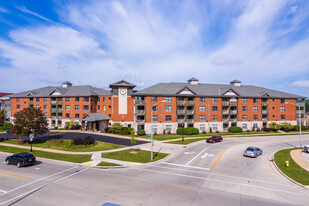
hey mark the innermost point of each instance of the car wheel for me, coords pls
(221, 140)
(18, 165)
(7, 162)
(261, 153)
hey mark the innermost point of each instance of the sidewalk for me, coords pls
(301, 158)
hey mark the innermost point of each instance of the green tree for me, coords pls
(274, 126)
(29, 119)
(286, 125)
(117, 127)
(1, 117)
(70, 124)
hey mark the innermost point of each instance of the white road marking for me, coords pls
(40, 179)
(230, 176)
(2, 191)
(189, 152)
(214, 180)
(202, 168)
(206, 154)
(37, 168)
(49, 183)
(197, 156)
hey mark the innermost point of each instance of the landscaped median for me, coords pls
(293, 171)
(76, 158)
(134, 155)
(186, 141)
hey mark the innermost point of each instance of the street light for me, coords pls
(31, 138)
(182, 125)
(152, 129)
(300, 142)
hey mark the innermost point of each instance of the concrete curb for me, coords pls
(284, 175)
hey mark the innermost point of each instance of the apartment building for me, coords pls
(164, 106)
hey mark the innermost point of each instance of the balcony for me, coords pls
(31, 102)
(181, 120)
(190, 102)
(53, 102)
(182, 112)
(264, 104)
(233, 112)
(225, 120)
(300, 104)
(190, 112)
(264, 119)
(264, 111)
(233, 103)
(54, 109)
(225, 103)
(140, 121)
(233, 120)
(140, 102)
(181, 102)
(190, 120)
(140, 112)
(226, 111)
(59, 102)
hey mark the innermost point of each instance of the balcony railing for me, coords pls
(190, 112)
(140, 120)
(190, 102)
(226, 111)
(225, 120)
(233, 120)
(181, 112)
(140, 102)
(233, 112)
(225, 103)
(54, 110)
(54, 102)
(59, 102)
(300, 104)
(264, 111)
(31, 102)
(233, 103)
(190, 120)
(264, 104)
(140, 112)
(180, 102)
(181, 120)
(264, 119)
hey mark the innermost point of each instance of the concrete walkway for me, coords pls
(301, 158)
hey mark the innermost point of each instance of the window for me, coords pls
(244, 117)
(168, 128)
(86, 99)
(76, 116)
(214, 117)
(214, 100)
(202, 109)
(109, 115)
(98, 99)
(244, 109)
(214, 108)
(109, 106)
(85, 107)
(155, 118)
(67, 115)
(76, 107)
(18, 100)
(282, 101)
(45, 107)
(154, 99)
(255, 125)
(67, 99)
(103, 99)
(255, 101)
(202, 127)
(45, 99)
(155, 128)
(255, 117)
(273, 107)
(45, 115)
(202, 117)
(154, 108)
(76, 99)
(168, 118)
(67, 107)
(244, 100)
(202, 99)
(244, 126)
(18, 106)
(282, 109)
(103, 107)
(168, 99)
(109, 98)
(38, 106)
(168, 108)
(255, 109)
(98, 107)
(282, 116)
(37, 99)
(215, 127)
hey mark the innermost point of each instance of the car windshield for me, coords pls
(27, 156)
(250, 149)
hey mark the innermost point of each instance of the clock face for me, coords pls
(122, 91)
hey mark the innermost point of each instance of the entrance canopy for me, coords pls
(94, 121)
(93, 117)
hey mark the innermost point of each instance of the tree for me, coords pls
(70, 124)
(29, 119)
(1, 117)
(116, 127)
(274, 126)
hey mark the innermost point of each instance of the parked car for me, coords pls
(21, 159)
(252, 152)
(214, 139)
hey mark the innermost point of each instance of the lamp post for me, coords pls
(182, 125)
(31, 138)
(152, 129)
(300, 141)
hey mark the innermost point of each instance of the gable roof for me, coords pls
(92, 117)
(122, 83)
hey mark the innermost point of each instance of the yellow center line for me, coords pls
(216, 162)
(12, 175)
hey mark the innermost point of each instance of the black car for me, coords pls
(21, 159)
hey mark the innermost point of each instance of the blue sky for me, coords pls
(258, 42)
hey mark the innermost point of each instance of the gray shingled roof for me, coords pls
(122, 83)
(72, 91)
(193, 79)
(92, 117)
(213, 90)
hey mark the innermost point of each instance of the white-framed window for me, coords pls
(86, 99)
(214, 117)
(202, 117)
(202, 99)
(282, 109)
(18, 106)
(98, 107)
(155, 128)
(67, 107)
(154, 99)
(18, 100)
(45, 107)
(244, 117)
(244, 108)
(67, 99)
(45, 99)
(77, 107)
(202, 127)
(85, 107)
(168, 108)
(255, 117)
(244, 100)
(214, 100)
(255, 101)
(255, 109)
(104, 107)
(282, 117)
(154, 118)
(244, 126)
(45, 115)
(67, 115)
(202, 108)
(168, 118)
(214, 127)
(38, 106)
(255, 125)
(282, 101)
(168, 127)
(168, 99)
(214, 108)
(154, 108)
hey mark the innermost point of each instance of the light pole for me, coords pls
(152, 129)
(182, 125)
(300, 141)
(31, 138)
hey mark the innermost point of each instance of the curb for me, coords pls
(284, 175)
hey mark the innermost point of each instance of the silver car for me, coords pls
(252, 152)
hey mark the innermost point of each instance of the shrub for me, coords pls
(105, 130)
(55, 127)
(253, 128)
(266, 129)
(187, 131)
(83, 141)
(125, 131)
(258, 129)
(141, 132)
(286, 129)
(234, 129)
(217, 131)
(117, 128)
(168, 132)
(303, 127)
(274, 126)
(203, 132)
(164, 131)
(71, 124)
(111, 130)
(2, 139)
(7, 125)
(155, 133)
(76, 127)
(210, 130)
(248, 130)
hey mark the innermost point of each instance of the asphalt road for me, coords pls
(194, 176)
(72, 135)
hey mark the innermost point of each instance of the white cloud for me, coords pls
(25, 10)
(301, 83)
(293, 9)
(3, 10)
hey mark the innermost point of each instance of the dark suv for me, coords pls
(214, 139)
(21, 159)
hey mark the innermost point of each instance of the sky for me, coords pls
(259, 42)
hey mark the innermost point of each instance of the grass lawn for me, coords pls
(56, 156)
(65, 145)
(186, 141)
(295, 172)
(107, 164)
(134, 155)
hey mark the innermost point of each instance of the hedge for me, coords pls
(187, 131)
(234, 129)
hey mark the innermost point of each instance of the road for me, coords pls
(201, 174)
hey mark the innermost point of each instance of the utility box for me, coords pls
(306, 148)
